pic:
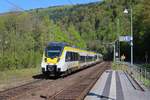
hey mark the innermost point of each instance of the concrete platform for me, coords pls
(116, 85)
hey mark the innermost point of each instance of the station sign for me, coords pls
(125, 38)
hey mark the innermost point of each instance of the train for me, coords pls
(59, 58)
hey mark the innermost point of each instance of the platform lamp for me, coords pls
(126, 11)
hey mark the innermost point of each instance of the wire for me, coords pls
(70, 1)
(16, 6)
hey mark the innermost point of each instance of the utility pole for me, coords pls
(118, 42)
(114, 52)
(131, 35)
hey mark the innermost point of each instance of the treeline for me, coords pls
(102, 22)
(23, 35)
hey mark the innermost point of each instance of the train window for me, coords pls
(89, 58)
(68, 57)
(72, 56)
(53, 51)
(77, 57)
(82, 58)
(95, 57)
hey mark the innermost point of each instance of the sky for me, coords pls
(9, 5)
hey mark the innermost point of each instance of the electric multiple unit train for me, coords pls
(59, 58)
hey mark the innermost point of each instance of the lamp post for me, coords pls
(131, 19)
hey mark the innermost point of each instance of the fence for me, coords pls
(139, 72)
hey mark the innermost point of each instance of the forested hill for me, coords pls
(102, 22)
(91, 22)
(23, 35)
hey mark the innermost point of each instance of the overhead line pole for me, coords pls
(114, 52)
(118, 42)
(131, 35)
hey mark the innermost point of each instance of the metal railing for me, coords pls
(139, 72)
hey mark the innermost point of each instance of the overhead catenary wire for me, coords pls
(70, 1)
(15, 5)
(21, 9)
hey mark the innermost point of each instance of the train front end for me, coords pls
(51, 58)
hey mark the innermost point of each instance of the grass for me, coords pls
(9, 76)
(117, 66)
(146, 81)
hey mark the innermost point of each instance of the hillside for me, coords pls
(102, 22)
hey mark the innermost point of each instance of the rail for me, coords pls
(79, 90)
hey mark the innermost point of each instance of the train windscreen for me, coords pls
(53, 51)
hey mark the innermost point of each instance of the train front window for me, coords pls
(53, 51)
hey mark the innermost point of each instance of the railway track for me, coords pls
(21, 90)
(79, 89)
(72, 87)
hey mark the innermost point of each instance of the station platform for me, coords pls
(117, 85)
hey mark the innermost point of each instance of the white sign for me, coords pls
(125, 38)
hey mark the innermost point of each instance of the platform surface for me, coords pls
(115, 85)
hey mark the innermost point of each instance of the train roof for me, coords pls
(62, 44)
